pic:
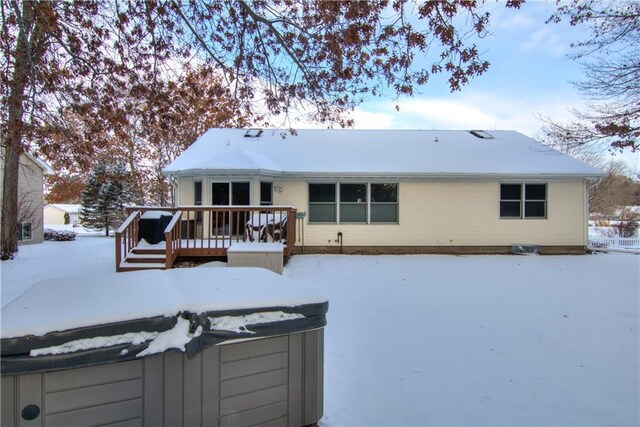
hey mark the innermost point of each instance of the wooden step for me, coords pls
(135, 266)
(146, 258)
(143, 250)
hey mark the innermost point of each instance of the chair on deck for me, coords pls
(270, 231)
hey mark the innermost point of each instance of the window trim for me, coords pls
(523, 200)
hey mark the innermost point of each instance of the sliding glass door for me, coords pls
(226, 194)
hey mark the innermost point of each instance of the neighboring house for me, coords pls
(396, 191)
(30, 197)
(54, 213)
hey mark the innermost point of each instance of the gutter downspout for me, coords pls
(588, 187)
(174, 187)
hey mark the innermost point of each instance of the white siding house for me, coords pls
(54, 213)
(30, 197)
(396, 191)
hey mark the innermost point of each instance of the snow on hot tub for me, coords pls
(241, 345)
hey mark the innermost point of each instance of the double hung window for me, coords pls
(353, 203)
(523, 200)
(322, 203)
(266, 193)
(197, 198)
(384, 203)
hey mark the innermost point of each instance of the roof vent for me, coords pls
(253, 133)
(481, 134)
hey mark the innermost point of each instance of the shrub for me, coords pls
(59, 236)
(628, 228)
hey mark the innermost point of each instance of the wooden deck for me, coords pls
(199, 231)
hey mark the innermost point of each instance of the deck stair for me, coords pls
(144, 259)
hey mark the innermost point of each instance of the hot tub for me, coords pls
(228, 346)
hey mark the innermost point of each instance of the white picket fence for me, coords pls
(614, 241)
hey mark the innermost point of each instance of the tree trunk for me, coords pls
(10, 199)
(12, 139)
(30, 47)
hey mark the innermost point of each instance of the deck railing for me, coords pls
(211, 230)
(173, 240)
(127, 237)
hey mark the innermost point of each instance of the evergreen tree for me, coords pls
(104, 197)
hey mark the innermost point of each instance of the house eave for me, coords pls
(223, 172)
(381, 175)
(46, 169)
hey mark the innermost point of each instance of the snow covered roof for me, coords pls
(46, 169)
(371, 153)
(66, 207)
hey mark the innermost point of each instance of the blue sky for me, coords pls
(529, 75)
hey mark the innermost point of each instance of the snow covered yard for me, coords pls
(446, 340)
(48, 260)
(479, 340)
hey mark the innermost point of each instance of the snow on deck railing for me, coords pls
(614, 241)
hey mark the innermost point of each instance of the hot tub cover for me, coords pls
(91, 320)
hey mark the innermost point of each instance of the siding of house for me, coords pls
(441, 213)
(53, 215)
(30, 196)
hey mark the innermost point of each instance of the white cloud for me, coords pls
(470, 110)
(447, 114)
(371, 120)
(546, 41)
(512, 20)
